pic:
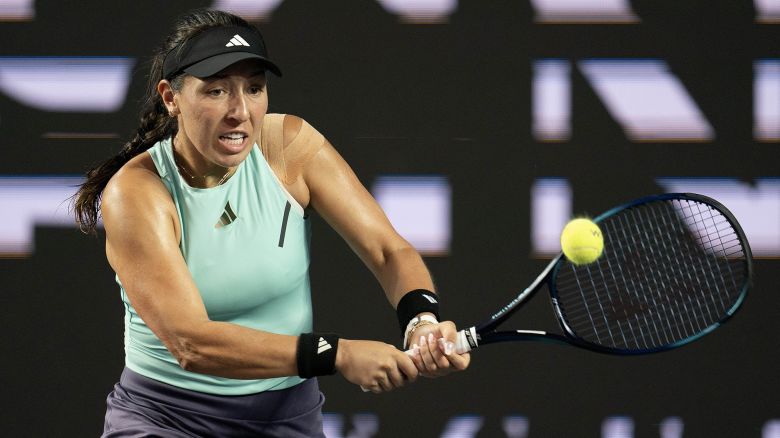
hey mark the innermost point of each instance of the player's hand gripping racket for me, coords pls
(674, 268)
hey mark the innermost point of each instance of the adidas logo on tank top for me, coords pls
(227, 218)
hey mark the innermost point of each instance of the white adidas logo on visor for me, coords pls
(237, 41)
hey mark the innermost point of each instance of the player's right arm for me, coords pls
(142, 246)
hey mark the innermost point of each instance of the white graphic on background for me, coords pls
(67, 84)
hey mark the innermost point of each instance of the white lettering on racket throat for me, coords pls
(531, 332)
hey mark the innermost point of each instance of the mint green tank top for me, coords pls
(246, 243)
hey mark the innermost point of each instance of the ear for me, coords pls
(167, 94)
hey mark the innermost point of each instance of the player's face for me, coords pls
(220, 116)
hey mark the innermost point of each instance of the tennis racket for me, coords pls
(674, 268)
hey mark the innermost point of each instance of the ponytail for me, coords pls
(155, 123)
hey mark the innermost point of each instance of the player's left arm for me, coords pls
(342, 200)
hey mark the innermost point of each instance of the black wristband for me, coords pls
(414, 303)
(316, 354)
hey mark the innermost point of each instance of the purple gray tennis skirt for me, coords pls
(142, 407)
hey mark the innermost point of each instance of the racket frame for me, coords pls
(485, 332)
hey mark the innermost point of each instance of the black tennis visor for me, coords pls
(215, 49)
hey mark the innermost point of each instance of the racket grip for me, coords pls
(408, 352)
(467, 340)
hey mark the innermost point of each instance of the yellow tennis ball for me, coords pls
(581, 241)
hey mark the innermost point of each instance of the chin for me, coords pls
(233, 160)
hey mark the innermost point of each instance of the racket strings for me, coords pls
(683, 307)
(670, 271)
(660, 325)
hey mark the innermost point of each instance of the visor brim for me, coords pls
(215, 64)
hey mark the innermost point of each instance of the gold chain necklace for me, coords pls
(193, 177)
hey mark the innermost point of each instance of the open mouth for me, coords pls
(233, 138)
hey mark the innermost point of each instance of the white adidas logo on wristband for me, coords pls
(323, 346)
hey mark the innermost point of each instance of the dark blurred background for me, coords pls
(481, 127)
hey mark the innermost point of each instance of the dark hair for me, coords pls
(155, 123)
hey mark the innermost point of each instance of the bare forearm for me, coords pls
(233, 351)
(229, 350)
(401, 271)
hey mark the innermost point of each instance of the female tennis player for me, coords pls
(206, 227)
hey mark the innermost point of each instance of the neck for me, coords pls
(196, 170)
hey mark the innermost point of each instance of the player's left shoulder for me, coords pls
(300, 136)
(296, 127)
(291, 126)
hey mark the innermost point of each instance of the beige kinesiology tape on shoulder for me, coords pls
(288, 162)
